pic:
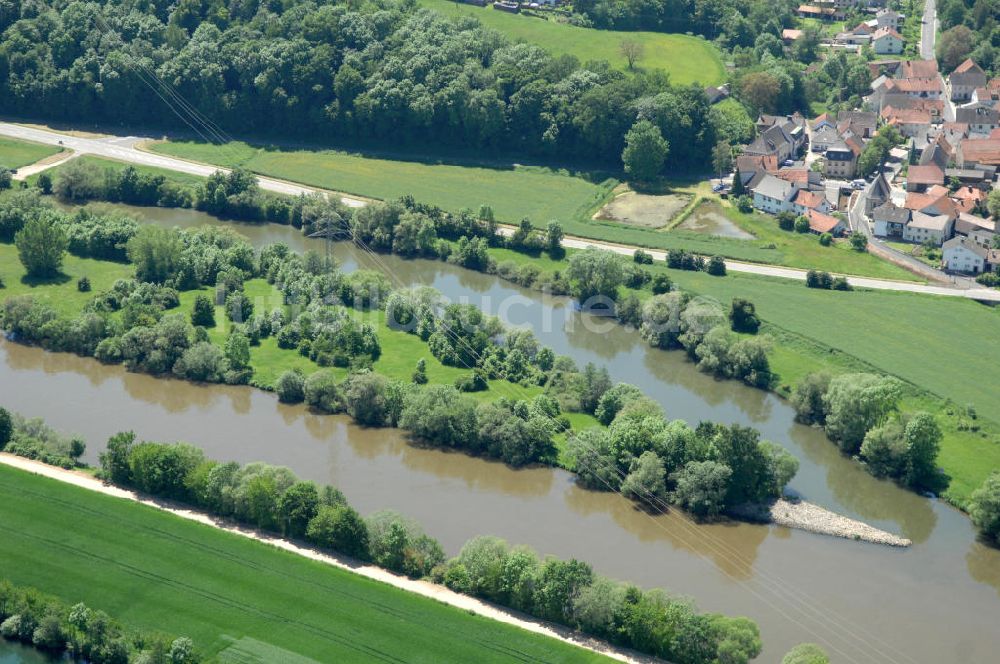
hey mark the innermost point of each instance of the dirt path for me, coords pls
(51, 161)
(424, 588)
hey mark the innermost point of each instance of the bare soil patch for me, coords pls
(645, 210)
(709, 218)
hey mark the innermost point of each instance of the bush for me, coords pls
(984, 507)
(340, 528)
(825, 239)
(743, 316)
(716, 266)
(701, 487)
(642, 257)
(806, 653)
(661, 284)
(801, 224)
(321, 391)
(41, 245)
(840, 284)
(83, 285)
(786, 220)
(440, 415)
(203, 313)
(859, 242)
(291, 387)
(817, 279)
(420, 373)
(6, 427)
(744, 204)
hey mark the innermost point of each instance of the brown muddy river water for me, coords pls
(938, 601)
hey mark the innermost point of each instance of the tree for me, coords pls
(923, 441)
(632, 51)
(6, 177)
(553, 239)
(341, 528)
(716, 266)
(701, 487)
(859, 242)
(786, 220)
(645, 151)
(760, 91)
(203, 313)
(41, 245)
(806, 653)
(595, 273)
(743, 316)
(801, 224)
(808, 398)
(984, 507)
(290, 387)
(238, 351)
(722, 158)
(6, 428)
(44, 182)
(155, 252)
(439, 414)
(855, 403)
(646, 482)
(954, 46)
(321, 391)
(420, 373)
(365, 398)
(296, 508)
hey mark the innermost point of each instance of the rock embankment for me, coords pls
(815, 519)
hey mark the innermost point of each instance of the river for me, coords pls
(937, 601)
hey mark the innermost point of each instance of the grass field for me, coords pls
(534, 192)
(687, 59)
(15, 153)
(160, 572)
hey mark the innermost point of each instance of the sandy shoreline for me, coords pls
(424, 588)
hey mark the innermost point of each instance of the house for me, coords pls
(819, 13)
(782, 136)
(887, 18)
(981, 118)
(960, 254)
(911, 123)
(717, 94)
(861, 123)
(923, 227)
(978, 230)
(841, 160)
(898, 100)
(921, 178)
(965, 79)
(886, 41)
(973, 151)
(821, 222)
(805, 200)
(773, 194)
(889, 220)
(877, 193)
(824, 137)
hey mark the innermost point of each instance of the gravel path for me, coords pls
(816, 519)
(424, 588)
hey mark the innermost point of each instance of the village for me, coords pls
(934, 163)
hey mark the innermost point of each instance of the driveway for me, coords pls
(928, 30)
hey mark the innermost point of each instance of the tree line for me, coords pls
(273, 499)
(82, 634)
(389, 73)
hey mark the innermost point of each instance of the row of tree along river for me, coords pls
(934, 602)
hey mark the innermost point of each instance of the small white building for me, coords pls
(886, 41)
(774, 195)
(962, 255)
(925, 227)
(889, 220)
(888, 18)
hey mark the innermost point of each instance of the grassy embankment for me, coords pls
(239, 600)
(15, 153)
(687, 59)
(536, 193)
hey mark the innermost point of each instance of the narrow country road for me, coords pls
(928, 30)
(123, 148)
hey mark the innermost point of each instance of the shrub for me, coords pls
(716, 266)
(859, 242)
(840, 284)
(441, 415)
(801, 224)
(984, 507)
(83, 285)
(320, 391)
(41, 245)
(290, 387)
(786, 220)
(806, 653)
(825, 239)
(744, 204)
(642, 257)
(701, 487)
(661, 284)
(743, 316)
(341, 528)
(420, 373)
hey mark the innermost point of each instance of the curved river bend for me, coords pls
(938, 601)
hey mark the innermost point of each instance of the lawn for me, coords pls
(15, 153)
(182, 179)
(157, 571)
(61, 292)
(521, 191)
(687, 59)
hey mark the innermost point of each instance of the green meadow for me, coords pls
(686, 58)
(238, 599)
(15, 153)
(516, 192)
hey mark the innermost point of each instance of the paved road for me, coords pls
(123, 148)
(928, 30)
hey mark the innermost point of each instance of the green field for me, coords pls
(687, 59)
(534, 192)
(160, 572)
(15, 153)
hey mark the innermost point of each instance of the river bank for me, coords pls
(419, 587)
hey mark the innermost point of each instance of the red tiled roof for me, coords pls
(966, 66)
(929, 174)
(919, 69)
(808, 199)
(905, 115)
(886, 32)
(800, 175)
(820, 222)
(982, 150)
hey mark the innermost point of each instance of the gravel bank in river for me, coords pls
(815, 519)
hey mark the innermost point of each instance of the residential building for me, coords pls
(962, 255)
(821, 222)
(824, 137)
(889, 220)
(978, 230)
(840, 161)
(911, 123)
(789, 35)
(805, 200)
(773, 194)
(877, 193)
(782, 136)
(922, 178)
(717, 94)
(888, 18)
(981, 118)
(973, 151)
(861, 123)
(929, 227)
(965, 79)
(886, 41)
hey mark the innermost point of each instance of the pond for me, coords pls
(709, 218)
